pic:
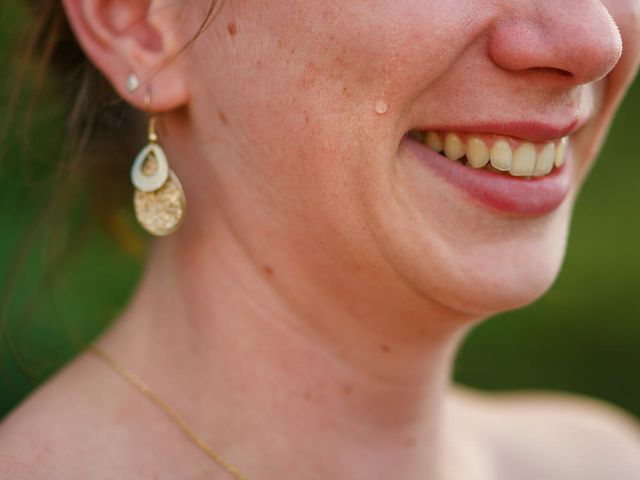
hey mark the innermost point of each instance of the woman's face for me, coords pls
(301, 111)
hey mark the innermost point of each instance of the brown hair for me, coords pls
(103, 133)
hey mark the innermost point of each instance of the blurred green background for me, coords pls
(583, 336)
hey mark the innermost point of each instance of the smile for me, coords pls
(497, 153)
(506, 174)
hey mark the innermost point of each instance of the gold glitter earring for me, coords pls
(159, 201)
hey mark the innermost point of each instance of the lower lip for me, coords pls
(500, 192)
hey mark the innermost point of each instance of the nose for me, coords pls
(563, 40)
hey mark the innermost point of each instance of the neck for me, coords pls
(286, 375)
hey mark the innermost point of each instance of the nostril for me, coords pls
(552, 70)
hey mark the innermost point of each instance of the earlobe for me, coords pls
(122, 37)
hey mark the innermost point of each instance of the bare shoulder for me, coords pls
(71, 427)
(38, 437)
(86, 422)
(17, 467)
(552, 435)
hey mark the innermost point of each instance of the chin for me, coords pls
(509, 284)
(489, 278)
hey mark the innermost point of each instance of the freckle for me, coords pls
(223, 118)
(385, 348)
(268, 270)
(347, 389)
(232, 28)
(307, 395)
(306, 118)
(341, 61)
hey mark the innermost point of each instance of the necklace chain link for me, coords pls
(171, 413)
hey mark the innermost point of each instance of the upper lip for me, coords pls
(533, 131)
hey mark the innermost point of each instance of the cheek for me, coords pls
(314, 83)
(335, 55)
(381, 49)
(302, 79)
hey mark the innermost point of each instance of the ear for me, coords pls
(142, 37)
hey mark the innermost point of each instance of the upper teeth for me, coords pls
(519, 158)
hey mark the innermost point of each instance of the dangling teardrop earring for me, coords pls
(159, 201)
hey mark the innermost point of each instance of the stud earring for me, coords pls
(133, 82)
(159, 200)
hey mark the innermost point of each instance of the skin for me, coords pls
(305, 317)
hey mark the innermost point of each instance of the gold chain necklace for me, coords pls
(173, 415)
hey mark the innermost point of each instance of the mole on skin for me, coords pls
(347, 389)
(232, 28)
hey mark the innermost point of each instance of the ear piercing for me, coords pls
(133, 82)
